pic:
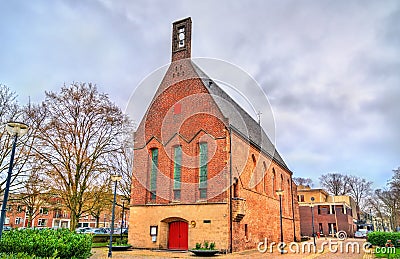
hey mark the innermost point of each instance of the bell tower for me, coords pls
(181, 39)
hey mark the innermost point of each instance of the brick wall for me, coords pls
(257, 185)
(344, 221)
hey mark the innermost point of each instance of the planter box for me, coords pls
(201, 252)
(120, 248)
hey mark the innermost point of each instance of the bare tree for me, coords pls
(377, 206)
(33, 196)
(303, 181)
(359, 189)
(11, 111)
(102, 201)
(79, 129)
(390, 205)
(335, 183)
(123, 163)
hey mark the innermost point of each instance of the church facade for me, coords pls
(204, 169)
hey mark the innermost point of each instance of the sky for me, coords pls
(330, 69)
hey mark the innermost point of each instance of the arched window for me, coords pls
(253, 157)
(203, 170)
(235, 188)
(273, 181)
(177, 172)
(153, 173)
(265, 176)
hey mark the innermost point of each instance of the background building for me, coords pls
(331, 213)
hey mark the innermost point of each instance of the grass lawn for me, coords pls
(385, 253)
(95, 245)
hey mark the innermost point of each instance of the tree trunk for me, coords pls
(74, 221)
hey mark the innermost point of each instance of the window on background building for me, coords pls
(246, 231)
(153, 174)
(203, 170)
(320, 229)
(42, 222)
(44, 211)
(9, 208)
(17, 221)
(300, 198)
(7, 221)
(332, 228)
(19, 208)
(177, 172)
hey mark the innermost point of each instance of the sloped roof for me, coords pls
(239, 119)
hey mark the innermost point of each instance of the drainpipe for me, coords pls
(230, 192)
(294, 222)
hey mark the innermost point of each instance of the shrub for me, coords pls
(60, 243)
(121, 242)
(206, 246)
(22, 256)
(212, 246)
(380, 238)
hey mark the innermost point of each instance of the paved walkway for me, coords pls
(101, 253)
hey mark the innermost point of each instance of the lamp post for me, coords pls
(115, 178)
(15, 129)
(312, 220)
(122, 218)
(280, 193)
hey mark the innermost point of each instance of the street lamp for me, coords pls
(122, 217)
(15, 129)
(115, 178)
(312, 220)
(280, 193)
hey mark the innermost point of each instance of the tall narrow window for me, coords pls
(265, 177)
(273, 181)
(203, 170)
(177, 172)
(153, 175)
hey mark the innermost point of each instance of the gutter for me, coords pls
(294, 222)
(230, 191)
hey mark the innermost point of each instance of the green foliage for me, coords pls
(121, 242)
(380, 238)
(198, 246)
(46, 243)
(212, 246)
(22, 256)
(388, 253)
(206, 246)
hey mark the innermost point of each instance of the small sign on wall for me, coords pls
(153, 233)
(153, 230)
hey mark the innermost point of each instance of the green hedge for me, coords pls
(380, 238)
(22, 256)
(60, 243)
(102, 238)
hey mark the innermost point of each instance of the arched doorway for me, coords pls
(178, 235)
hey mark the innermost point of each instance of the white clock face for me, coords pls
(181, 36)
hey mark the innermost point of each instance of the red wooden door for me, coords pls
(178, 235)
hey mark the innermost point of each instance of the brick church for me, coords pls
(204, 169)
